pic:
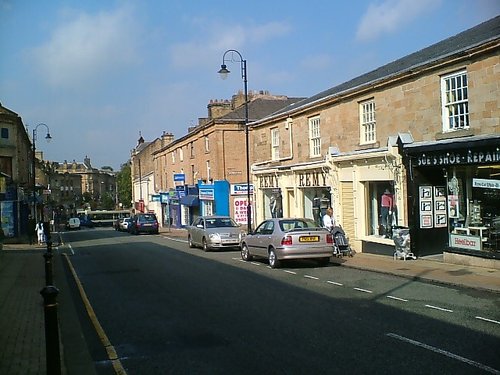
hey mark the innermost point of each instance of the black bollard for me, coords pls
(52, 353)
(48, 265)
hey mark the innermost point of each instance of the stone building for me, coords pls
(424, 127)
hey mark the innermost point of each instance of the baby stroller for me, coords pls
(401, 238)
(341, 245)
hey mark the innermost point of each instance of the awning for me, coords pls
(190, 200)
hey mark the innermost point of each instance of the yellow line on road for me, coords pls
(110, 350)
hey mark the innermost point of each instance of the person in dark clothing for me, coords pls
(31, 229)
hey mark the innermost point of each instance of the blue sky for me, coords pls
(99, 72)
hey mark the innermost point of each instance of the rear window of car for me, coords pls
(147, 218)
(290, 224)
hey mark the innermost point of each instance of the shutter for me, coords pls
(347, 204)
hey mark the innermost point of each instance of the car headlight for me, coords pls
(214, 236)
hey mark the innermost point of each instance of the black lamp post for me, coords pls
(48, 138)
(236, 57)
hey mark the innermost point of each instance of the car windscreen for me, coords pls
(220, 223)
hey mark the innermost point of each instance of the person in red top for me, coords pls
(387, 203)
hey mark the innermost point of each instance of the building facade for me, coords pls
(348, 145)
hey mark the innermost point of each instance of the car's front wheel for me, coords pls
(273, 259)
(190, 242)
(245, 253)
(205, 244)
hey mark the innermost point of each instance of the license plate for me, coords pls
(309, 239)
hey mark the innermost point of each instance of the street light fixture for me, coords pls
(235, 56)
(48, 138)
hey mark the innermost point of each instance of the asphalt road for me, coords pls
(168, 309)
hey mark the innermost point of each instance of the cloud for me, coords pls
(84, 49)
(219, 37)
(389, 15)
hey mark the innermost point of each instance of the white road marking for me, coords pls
(293, 273)
(71, 249)
(311, 277)
(444, 352)
(488, 320)
(363, 290)
(438, 308)
(334, 283)
(397, 298)
(255, 263)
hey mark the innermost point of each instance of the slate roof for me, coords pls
(259, 108)
(466, 40)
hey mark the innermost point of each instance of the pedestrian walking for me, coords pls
(40, 233)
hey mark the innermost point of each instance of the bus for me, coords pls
(102, 218)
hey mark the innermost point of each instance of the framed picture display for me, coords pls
(440, 211)
(426, 206)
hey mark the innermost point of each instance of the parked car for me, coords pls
(278, 239)
(124, 223)
(143, 223)
(214, 232)
(73, 223)
(86, 222)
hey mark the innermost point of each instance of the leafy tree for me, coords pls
(107, 201)
(124, 184)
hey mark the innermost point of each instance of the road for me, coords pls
(168, 309)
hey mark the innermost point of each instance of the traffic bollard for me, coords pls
(52, 353)
(48, 264)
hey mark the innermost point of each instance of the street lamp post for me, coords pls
(48, 138)
(236, 57)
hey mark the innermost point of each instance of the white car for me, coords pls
(73, 223)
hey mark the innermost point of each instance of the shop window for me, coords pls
(208, 208)
(275, 144)
(474, 207)
(367, 122)
(381, 209)
(455, 101)
(314, 137)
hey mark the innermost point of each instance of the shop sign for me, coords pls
(155, 198)
(164, 197)
(458, 157)
(268, 181)
(240, 210)
(240, 189)
(206, 194)
(312, 179)
(465, 242)
(179, 177)
(485, 184)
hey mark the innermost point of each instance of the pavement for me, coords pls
(22, 277)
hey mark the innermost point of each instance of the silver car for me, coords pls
(214, 232)
(291, 238)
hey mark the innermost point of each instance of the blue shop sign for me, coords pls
(179, 177)
(206, 194)
(240, 189)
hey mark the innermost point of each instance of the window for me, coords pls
(368, 123)
(181, 154)
(173, 157)
(191, 149)
(275, 144)
(208, 170)
(5, 133)
(207, 144)
(314, 137)
(455, 101)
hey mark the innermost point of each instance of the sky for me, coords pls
(101, 73)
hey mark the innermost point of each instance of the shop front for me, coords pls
(454, 198)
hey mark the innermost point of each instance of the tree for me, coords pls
(124, 185)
